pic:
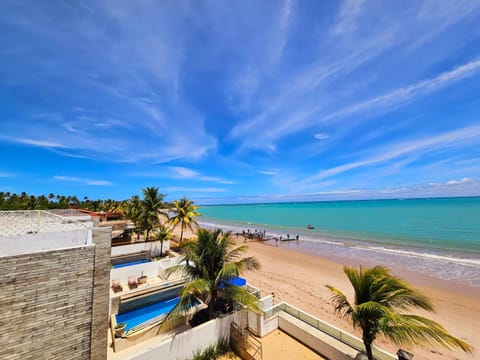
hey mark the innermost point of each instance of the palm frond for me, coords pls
(340, 302)
(242, 296)
(406, 329)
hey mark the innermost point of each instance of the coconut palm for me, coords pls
(162, 233)
(377, 309)
(133, 211)
(184, 213)
(211, 261)
(152, 205)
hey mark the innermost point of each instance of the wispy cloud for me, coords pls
(195, 189)
(407, 93)
(321, 136)
(39, 143)
(83, 181)
(265, 172)
(182, 173)
(460, 137)
(6, 174)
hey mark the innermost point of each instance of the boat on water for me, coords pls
(310, 226)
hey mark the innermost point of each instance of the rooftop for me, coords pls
(26, 231)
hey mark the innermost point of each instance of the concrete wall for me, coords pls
(314, 339)
(46, 304)
(183, 345)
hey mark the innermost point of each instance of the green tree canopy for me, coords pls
(211, 261)
(184, 213)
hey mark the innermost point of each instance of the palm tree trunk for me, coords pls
(161, 247)
(368, 348)
(181, 232)
(211, 305)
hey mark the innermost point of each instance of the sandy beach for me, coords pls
(299, 279)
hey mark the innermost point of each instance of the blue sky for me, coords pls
(240, 101)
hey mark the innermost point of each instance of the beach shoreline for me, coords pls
(299, 278)
(462, 268)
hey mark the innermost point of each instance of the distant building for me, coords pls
(55, 276)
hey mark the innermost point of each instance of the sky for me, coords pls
(240, 101)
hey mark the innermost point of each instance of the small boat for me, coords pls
(310, 226)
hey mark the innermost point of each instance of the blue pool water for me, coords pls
(130, 263)
(143, 314)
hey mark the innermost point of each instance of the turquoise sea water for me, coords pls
(440, 237)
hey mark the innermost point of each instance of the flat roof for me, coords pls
(27, 231)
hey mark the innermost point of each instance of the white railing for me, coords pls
(326, 328)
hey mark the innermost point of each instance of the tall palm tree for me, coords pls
(162, 234)
(184, 213)
(133, 211)
(152, 204)
(379, 301)
(211, 261)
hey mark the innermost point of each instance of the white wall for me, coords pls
(328, 349)
(151, 246)
(150, 269)
(30, 243)
(183, 345)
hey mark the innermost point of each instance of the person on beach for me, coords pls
(296, 237)
(276, 241)
(288, 236)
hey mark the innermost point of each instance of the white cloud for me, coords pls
(182, 173)
(195, 189)
(40, 143)
(457, 137)
(461, 181)
(83, 181)
(268, 172)
(349, 12)
(321, 136)
(409, 92)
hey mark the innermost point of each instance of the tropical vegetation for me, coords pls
(214, 351)
(162, 234)
(210, 262)
(378, 308)
(151, 209)
(183, 213)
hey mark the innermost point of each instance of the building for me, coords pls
(55, 279)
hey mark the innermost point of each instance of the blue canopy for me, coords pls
(238, 281)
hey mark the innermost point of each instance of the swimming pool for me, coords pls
(146, 313)
(130, 263)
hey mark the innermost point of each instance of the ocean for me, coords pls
(437, 237)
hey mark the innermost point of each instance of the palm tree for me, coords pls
(152, 205)
(379, 298)
(133, 211)
(184, 212)
(210, 263)
(162, 234)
